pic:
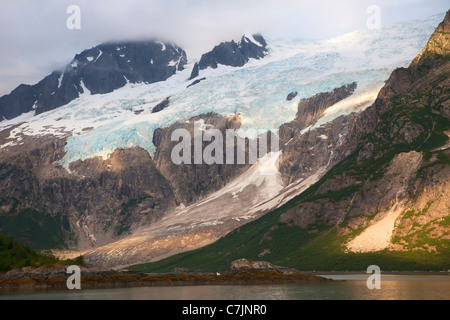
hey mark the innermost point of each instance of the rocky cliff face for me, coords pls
(395, 183)
(98, 201)
(94, 202)
(99, 70)
(307, 151)
(312, 109)
(194, 181)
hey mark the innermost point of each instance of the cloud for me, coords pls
(35, 39)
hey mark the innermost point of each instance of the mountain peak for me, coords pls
(99, 70)
(235, 54)
(255, 39)
(439, 43)
(445, 25)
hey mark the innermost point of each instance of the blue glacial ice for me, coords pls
(256, 91)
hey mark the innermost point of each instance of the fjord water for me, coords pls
(353, 287)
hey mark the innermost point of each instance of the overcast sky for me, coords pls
(35, 40)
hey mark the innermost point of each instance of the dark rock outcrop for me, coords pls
(291, 96)
(235, 54)
(312, 109)
(99, 70)
(195, 72)
(162, 105)
(308, 152)
(196, 82)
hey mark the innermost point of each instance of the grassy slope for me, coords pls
(37, 230)
(14, 255)
(294, 247)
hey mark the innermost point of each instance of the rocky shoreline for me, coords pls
(242, 272)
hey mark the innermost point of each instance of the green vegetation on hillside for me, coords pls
(37, 230)
(291, 246)
(14, 255)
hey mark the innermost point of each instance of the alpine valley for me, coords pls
(362, 175)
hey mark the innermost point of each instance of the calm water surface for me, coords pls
(393, 287)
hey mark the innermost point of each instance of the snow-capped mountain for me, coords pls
(123, 118)
(232, 54)
(235, 54)
(102, 161)
(98, 70)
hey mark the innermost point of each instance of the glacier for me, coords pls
(96, 125)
